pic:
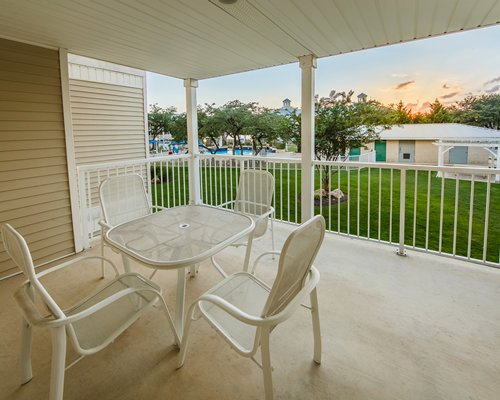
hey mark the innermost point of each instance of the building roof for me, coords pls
(206, 38)
(458, 132)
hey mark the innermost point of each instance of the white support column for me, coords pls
(497, 164)
(440, 158)
(307, 66)
(192, 138)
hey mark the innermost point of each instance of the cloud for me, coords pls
(445, 86)
(425, 107)
(404, 85)
(400, 75)
(497, 79)
(449, 95)
(494, 89)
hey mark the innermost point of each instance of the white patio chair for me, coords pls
(91, 324)
(244, 310)
(254, 198)
(122, 199)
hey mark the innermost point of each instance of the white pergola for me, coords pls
(492, 146)
(199, 39)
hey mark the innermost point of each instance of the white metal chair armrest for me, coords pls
(74, 261)
(256, 262)
(28, 307)
(224, 205)
(258, 320)
(104, 224)
(99, 306)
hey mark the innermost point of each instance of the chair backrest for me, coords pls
(18, 250)
(297, 256)
(123, 198)
(255, 196)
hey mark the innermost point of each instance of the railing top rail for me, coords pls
(412, 167)
(124, 163)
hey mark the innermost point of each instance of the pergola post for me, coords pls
(497, 164)
(192, 139)
(307, 66)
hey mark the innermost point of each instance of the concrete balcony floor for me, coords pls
(416, 327)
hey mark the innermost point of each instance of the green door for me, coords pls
(354, 154)
(380, 150)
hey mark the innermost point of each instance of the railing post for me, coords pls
(402, 206)
(307, 66)
(192, 136)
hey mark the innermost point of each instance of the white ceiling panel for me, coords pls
(206, 38)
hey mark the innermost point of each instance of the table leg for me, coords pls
(179, 303)
(126, 263)
(193, 270)
(248, 252)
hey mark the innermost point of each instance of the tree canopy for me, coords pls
(340, 123)
(479, 111)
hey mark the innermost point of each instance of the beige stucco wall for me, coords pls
(392, 151)
(34, 188)
(426, 152)
(478, 156)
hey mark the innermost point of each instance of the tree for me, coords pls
(400, 114)
(341, 125)
(209, 128)
(289, 128)
(438, 114)
(233, 119)
(160, 120)
(263, 127)
(479, 111)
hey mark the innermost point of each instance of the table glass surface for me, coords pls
(179, 235)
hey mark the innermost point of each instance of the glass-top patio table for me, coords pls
(179, 237)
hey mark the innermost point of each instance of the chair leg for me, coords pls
(26, 335)
(102, 253)
(272, 235)
(57, 363)
(266, 364)
(185, 336)
(316, 326)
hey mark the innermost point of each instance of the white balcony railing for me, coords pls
(448, 211)
(165, 178)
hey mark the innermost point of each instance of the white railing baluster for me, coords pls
(455, 216)
(368, 206)
(441, 210)
(402, 210)
(379, 202)
(390, 205)
(358, 202)
(471, 213)
(329, 197)
(427, 213)
(415, 195)
(288, 190)
(349, 201)
(338, 200)
(320, 189)
(486, 217)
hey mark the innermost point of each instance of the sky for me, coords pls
(447, 68)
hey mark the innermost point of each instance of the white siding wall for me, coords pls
(34, 190)
(107, 109)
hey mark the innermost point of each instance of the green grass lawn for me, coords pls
(219, 185)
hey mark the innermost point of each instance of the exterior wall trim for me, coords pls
(70, 151)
